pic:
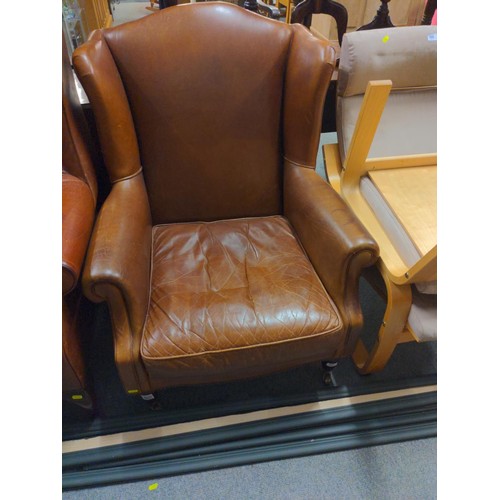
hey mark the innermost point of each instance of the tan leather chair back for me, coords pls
(200, 115)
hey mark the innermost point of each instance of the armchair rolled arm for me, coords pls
(118, 271)
(77, 220)
(335, 241)
(118, 261)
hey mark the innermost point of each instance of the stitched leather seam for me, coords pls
(284, 99)
(220, 221)
(278, 342)
(128, 176)
(151, 266)
(299, 164)
(132, 122)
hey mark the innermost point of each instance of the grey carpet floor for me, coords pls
(394, 471)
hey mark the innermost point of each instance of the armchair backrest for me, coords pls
(198, 96)
(408, 57)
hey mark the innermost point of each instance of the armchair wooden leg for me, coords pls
(392, 332)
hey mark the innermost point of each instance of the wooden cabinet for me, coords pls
(361, 12)
(74, 24)
(97, 13)
(81, 17)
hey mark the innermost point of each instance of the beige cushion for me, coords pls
(408, 124)
(423, 317)
(405, 55)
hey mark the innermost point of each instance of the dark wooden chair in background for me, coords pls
(430, 9)
(259, 6)
(383, 20)
(302, 14)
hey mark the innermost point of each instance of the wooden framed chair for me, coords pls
(288, 4)
(304, 11)
(385, 167)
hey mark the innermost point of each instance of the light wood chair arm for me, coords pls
(346, 179)
(373, 105)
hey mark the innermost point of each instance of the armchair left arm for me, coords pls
(118, 271)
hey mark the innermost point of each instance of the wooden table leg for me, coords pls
(381, 19)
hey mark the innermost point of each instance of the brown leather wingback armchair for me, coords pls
(220, 252)
(79, 194)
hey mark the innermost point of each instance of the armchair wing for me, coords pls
(335, 241)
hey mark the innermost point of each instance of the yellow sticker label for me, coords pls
(153, 486)
(77, 396)
(133, 391)
(385, 39)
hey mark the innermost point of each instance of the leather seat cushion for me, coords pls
(227, 295)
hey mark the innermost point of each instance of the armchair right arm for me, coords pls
(335, 241)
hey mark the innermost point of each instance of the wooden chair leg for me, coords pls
(289, 8)
(333, 165)
(392, 332)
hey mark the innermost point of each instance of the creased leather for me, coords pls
(336, 242)
(229, 285)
